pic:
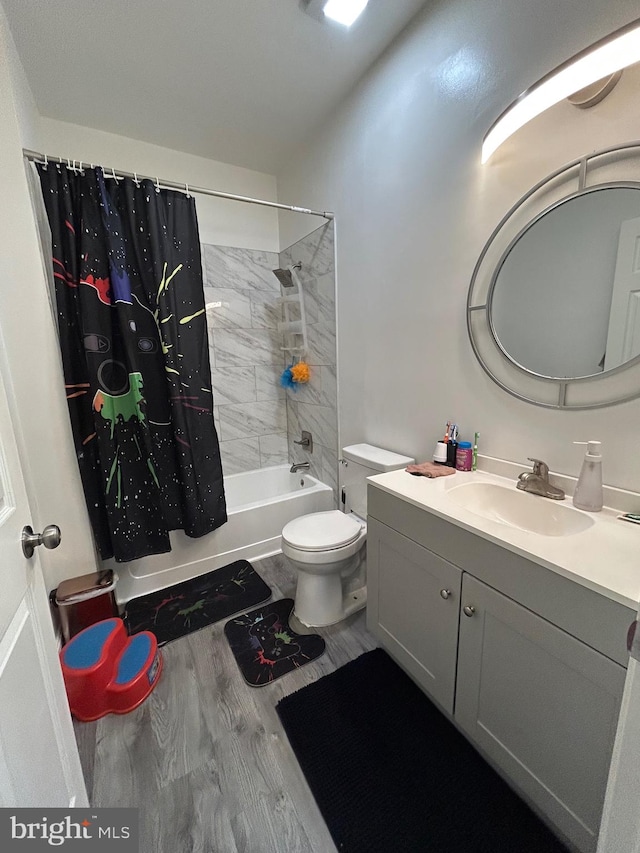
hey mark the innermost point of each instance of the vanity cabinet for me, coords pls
(528, 664)
(413, 602)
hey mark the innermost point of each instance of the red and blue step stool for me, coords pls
(108, 672)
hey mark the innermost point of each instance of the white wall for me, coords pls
(221, 221)
(400, 166)
(45, 435)
(36, 383)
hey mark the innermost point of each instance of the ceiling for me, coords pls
(241, 81)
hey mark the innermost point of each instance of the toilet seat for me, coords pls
(322, 531)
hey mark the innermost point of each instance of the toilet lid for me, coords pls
(321, 531)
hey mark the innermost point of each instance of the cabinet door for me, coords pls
(542, 705)
(413, 599)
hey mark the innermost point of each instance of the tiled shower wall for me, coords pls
(256, 420)
(314, 406)
(243, 311)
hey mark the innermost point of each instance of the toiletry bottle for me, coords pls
(452, 446)
(588, 493)
(474, 456)
(464, 455)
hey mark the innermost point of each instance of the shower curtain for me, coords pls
(133, 337)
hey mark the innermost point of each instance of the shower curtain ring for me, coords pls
(46, 162)
(186, 189)
(113, 172)
(157, 184)
(135, 180)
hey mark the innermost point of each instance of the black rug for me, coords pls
(194, 604)
(390, 773)
(265, 646)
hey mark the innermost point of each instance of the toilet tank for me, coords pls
(359, 462)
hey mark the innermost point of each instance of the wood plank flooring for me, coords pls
(205, 758)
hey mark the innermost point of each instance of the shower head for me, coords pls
(285, 277)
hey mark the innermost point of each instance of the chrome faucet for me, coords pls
(537, 481)
(299, 466)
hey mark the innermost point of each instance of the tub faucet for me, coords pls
(537, 481)
(299, 466)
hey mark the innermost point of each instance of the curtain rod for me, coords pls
(171, 185)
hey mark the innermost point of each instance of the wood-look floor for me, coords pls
(205, 758)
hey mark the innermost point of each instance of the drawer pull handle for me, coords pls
(468, 610)
(445, 593)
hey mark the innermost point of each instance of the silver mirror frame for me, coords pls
(604, 169)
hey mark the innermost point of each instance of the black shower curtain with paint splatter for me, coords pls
(133, 336)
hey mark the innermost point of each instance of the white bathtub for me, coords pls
(259, 504)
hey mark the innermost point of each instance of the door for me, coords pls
(620, 829)
(412, 608)
(39, 763)
(541, 705)
(623, 338)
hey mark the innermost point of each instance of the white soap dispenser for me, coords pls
(588, 493)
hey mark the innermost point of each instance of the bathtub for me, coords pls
(259, 504)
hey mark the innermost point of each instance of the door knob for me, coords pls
(468, 610)
(445, 593)
(50, 538)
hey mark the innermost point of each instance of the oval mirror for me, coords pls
(553, 310)
(558, 302)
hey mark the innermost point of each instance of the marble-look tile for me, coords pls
(330, 468)
(227, 308)
(320, 390)
(321, 422)
(268, 385)
(234, 385)
(210, 347)
(310, 296)
(293, 422)
(240, 455)
(315, 465)
(315, 251)
(242, 347)
(266, 310)
(252, 419)
(240, 269)
(321, 341)
(326, 299)
(274, 449)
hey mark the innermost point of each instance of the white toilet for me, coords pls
(328, 549)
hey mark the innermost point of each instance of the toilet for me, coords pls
(328, 549)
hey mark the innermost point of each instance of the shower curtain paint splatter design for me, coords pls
(127, 266)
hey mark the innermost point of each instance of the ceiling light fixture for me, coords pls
(616, 51)
(342, 11)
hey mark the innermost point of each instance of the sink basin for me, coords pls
(518, 509)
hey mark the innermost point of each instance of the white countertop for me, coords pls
(604, 558)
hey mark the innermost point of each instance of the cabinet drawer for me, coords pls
(413, 599)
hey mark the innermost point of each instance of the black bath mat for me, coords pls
(194, 604)
(389, 772)
(265, 646)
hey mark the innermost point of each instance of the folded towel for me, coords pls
(429, 469)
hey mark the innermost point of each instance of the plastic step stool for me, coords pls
(107, 672)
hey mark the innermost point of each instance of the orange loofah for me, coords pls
(300, 372)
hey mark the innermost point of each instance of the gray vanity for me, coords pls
(522, 650)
